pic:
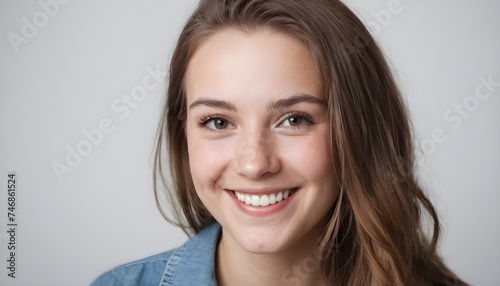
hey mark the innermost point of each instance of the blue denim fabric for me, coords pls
(191, 264)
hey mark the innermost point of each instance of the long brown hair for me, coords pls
(374, 235)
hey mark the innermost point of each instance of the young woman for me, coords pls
(290, 154)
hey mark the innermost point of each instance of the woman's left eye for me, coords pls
(295, 120)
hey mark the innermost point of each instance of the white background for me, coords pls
(64, 78)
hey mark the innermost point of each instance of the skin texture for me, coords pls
(256, 124)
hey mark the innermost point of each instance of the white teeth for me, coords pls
(279, 197)
(272, 199)
(286, 194)
(255, 201)
(263, 200)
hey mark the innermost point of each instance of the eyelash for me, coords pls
(306, 117)
(205, 120)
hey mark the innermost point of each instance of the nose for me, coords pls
(256, 155)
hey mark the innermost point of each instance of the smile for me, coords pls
(263, 200)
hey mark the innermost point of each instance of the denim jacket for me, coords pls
(191, 264)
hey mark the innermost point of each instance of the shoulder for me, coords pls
(173, 267)
(146, 271)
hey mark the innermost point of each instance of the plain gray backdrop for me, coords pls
(69, 68)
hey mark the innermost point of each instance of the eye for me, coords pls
(295, 120)
(217, 123)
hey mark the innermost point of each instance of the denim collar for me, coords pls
(194, 262)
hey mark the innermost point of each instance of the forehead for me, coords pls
(246, 63)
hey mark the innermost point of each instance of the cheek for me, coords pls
(197, 160)
(311, 158)
(205, 163)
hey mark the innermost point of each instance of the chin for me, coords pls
(262, 240)
(263, 247)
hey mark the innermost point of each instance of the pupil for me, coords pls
(221, 123)
(294, 121)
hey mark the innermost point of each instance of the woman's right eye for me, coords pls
(217, 123)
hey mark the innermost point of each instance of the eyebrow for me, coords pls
(282, 103)
(212, 103)
(296, 99)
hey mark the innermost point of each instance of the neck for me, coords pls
(297, 265)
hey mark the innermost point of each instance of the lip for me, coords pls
(262, 211)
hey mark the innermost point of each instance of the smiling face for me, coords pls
(257, 132)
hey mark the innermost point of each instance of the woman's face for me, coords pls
(257, 133)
